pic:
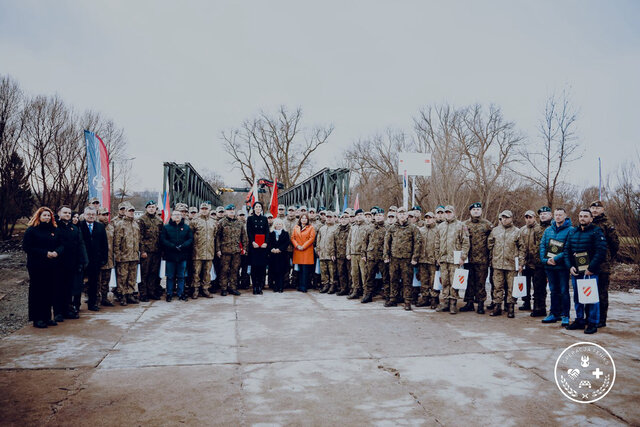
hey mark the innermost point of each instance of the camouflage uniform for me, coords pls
(504, 246)
(231, 233)
(105, 270)
(374, 247)
(150, 227)
(530, 236)
(355, 249)
(325, 252)
(478, 262)
(427, 264)
(401, 247)
(338, 246)
(453, 235)
(126, 248)
(613, 245)
(204, 234)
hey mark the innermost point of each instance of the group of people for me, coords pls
(356, 253)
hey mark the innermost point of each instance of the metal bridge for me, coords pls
(187, 186)
(325, 188)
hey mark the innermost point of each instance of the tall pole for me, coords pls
(599, 179)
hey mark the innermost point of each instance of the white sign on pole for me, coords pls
(416, 164)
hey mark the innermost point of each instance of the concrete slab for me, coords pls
(306, 359)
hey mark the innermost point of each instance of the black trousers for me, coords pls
(63, 289)
(93, 278)
(258, 274)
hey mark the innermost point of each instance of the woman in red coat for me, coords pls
(302, 239)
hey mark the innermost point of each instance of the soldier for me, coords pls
(478, 265)
(105, 270)
(373, 256)
(338, 247)
(415, 218)
(368, 217)
(355, 250)
(204, 234)
(427, 262)
(530, 235)
(401, 251)
(440, 215)
(219, 213)
(231, 239)
(269, 216)
(507, 256)
(150, 228)
(282, 212)
(193, 213)
(453, 236)
(613, 245)
(126, 248)
(391, 218)
(322, 215)
(326, 255)
(122, 207)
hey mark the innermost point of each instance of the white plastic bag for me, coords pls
(213, 272)
(460, 277)
(519, 287)
(588, 290)
(416, 283)
(457, 255)
(163, 269)
(437, 283)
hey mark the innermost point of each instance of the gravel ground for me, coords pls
(14, 287)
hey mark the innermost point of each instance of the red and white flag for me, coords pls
(254, 193)
(356, 204)
(273, 206)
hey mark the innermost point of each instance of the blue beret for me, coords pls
(475, 205)
(230, 207)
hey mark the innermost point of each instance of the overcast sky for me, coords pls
(175, 74)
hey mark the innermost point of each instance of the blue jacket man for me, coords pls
(585, 251)
(553, 256)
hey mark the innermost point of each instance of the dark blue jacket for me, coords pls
(176, 241)
(590, 239)
(557, 233)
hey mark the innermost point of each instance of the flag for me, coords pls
(345, 204)
(356, 204)
(166, 203)
(252, 197)
(273, 207)
(405, 190)
(98, 169)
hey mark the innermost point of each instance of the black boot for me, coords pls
(491, 306)
(325, 289)
(526, 306)
(480, 308)
(468, 307)
(367, 298)
(497, 310)
(332, 290)
(510, 312)
(390, 303)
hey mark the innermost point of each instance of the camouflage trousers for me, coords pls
(447, 271)
(342, 274)
(358, 273)
(327, 272)
(126, 273)
(374, 267)
(426, 274)
(229, 267)
(149, 274)
(103, 283)
(476, 288)
(202, 273)
(503, 279)
(400, 269)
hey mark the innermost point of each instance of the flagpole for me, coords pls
(599, 179)
(413, 191)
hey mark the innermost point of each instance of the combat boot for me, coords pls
(434, 302)
(195, 292)
(407, 306)
(491, 306)
(453, 307)
(325, 289)
(353, 295)
(390, 303)
(332, 290)
(367, 298)
(422, 302)
(343, 292)
(223, 293)
(205, 293)
(443, 307)
(467, 307)
(510, 312)
(234, 292)
(526, 306)
(480, 308)
(131, 299)
(106, 303)
(497, 310)
(123, 300)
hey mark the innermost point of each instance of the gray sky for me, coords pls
(175, 74)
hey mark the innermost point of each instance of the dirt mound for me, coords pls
(625, 277)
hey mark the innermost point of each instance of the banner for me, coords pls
(98, 169)
(273, 206)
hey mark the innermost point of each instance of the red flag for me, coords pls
(356, 204)
(273, 207)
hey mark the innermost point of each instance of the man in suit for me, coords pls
(95, 240)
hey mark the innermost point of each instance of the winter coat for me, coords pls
(613, 241)
(589, 239)
(231, 236)
(452, 236)
(257, 224)
(338, 241)
(95, 243)
(126, 241)
(402, 241)
(429, 235)
(504, 247)
(323, 241)
(558, 233)
(39, 240)
(150, 228)
(374, 241)
(176, 241)
(204, 236)
(479, 230)
(278, 263)
(530, 236)
(304, 237)
(355, 239)
(75, 253)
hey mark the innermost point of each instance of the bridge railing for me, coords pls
(325, 188)
(187, 186)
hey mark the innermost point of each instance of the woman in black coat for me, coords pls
(277, 245)
(257, 231)
(176, 240)
(43, 246)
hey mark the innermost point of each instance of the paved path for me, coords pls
(306, 359)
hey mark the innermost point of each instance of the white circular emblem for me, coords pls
(585, 372)
(98, 182)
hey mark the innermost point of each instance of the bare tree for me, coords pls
(11, 118)
(275, 146)
(546, 163)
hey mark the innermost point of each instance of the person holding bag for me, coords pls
(585, 250)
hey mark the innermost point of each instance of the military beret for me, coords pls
(230, 207)
(393, 208)
(380, 210)
(506, 213)
(359, 211)
(449, 208)
(440, 209)
(597, 203)
(544, 209)
(149, 203)
(416, 208)
(429, 214)
(529, 213)
(94, 200)
(122, 205)
(475, 205)
(322, 208)
(401, 209)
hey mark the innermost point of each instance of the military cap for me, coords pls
(220, 209)
(291, 208)
(358, 211)
(193, 209)
(122, 205)
(416, 208)
(506, 213)
(94, 200)
(182, 207)
(393, 208)
(349, 211)
(475, 205)
(449, 208)
(440, 209)
(241, 212)
(597, 203)
(269, 215)
(281, 206)
(205, 205)
(529, 213)
(103, 211)
(329, 213)
(367, 213)
(130, 207)
(312, 209)
(401, 209)
(544, 209)
(230, 207)
(303, 208)
(429, 214)
(415, 213)
(149, 203)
